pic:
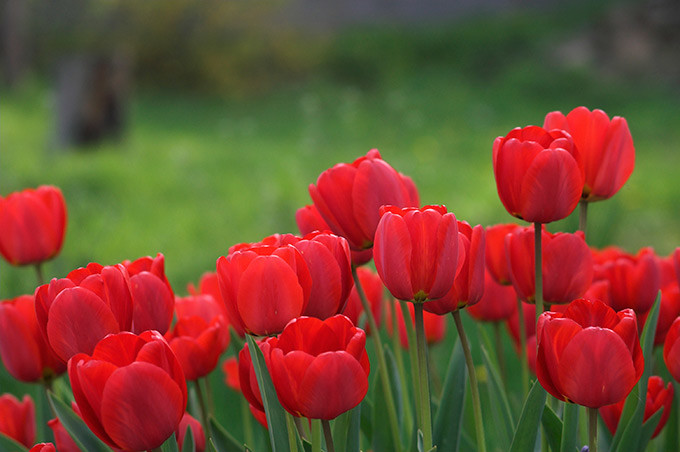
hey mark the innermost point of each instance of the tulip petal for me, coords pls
(153, 303)
(555, 335)
(392, 254)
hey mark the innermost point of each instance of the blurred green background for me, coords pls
(231, 109)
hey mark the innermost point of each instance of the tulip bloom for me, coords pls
(434, 325)
(17, 419)
(319, 367)
(468, 286)
(43, 447)
(264, 287)
(25, 353)
(348, 197)
(567, 265)
(606, 147)
(131, 392)
(529, 313)
(496, 260)
(671, 349)
(189, 421)
(199, 336)
(62, 438)
(209, 285)
(539, 174)
(153, 298)
(374, 290)
(416, 252)
(497, 303)
(248, 382)
(658, 397)
(33, 225)
(589, 355)
(76, 312)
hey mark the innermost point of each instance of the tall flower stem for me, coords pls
(248, 437)
(524, 360)
(413, 354)
(204, 409)
(292, 433)
(330, 447)
(399, 356)
(39, 273)
(538, 266)
(474, 388)
(425, 416)
(582, 216)
(382, 363)
(592, 429)
(316, 435)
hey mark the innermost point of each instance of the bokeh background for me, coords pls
(185, 127)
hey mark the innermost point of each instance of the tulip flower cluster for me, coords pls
(126, 361)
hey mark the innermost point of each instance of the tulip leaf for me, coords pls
(8, 444)
(648, 429)
(84, 437)
(223, 440)
(276, 417)
(189, 444)
(569, 427)
(499, 401)
(671, 437)
(552, 426)
(346, 430)
(630, 431)
(529, 420)
(448, 422)
(210, 447)
(170, 444)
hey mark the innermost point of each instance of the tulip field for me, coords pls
(443, 260)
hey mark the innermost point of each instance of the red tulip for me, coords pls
(348, 197)
(43, 447)
(416, 252)
(153, 298)
(230, 370)
(567, 265)
(131, 392)
(319, 367)
(658, 397)
(374, 291)
(671, 349)
(76, 312)
(605, 146)
(188, 421)
(496, 260)
(539, 174)
(17, 419)
(25, 353)
(209, 285)
(468, 286)
(61, 437)
(497, 303)
(248, 382)
(264, 287)
(634, 281)
(529, 311)
(435, 325)
(33, 225)
(199, 336)
(589, 355)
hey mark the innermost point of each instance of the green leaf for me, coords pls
(648, 429)
(448, 422)
(671, 437)
(530, 419)
(630, 438)
(223, 441)
(170, 445)
(189, 444)
(552, 426)
(76, 427)
(276, 417)
(346, 430)
(211, 446)
(8, 444)
(569, 428)
(499, 400)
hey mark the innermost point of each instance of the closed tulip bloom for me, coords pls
(76, 312)
(634, 280)
(606, 148)
(567, 265)
(416, 252)
(43, 447)
(62, 438)
(671, 349)
(17, 419)
(25, 353)
(374, 291)
(434, 325)
(468, 286)
(496, 260)
(188, 421)
(348, 197)
(33, 225)
(498, 302)
(658, 397)
(248, 382)
(539, 174)
(199, 335)
(153, 298)
(209, 285)
(589, 355)
(319, 367)
(131, 392)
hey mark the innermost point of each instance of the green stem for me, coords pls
(316, 435)
(524, 360)
(302, 427)
(474, 389)
(382, 363)
(582, 216)
(425, 416)
(330, 447)
(247, 423)
(538, 267)
(399, 356)
(499, 352)
(39, 273)
(292, 433)
(592, 429)
(204, 411)
(413, 354)
(211, 404)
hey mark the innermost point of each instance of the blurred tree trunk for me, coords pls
(13, 36)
